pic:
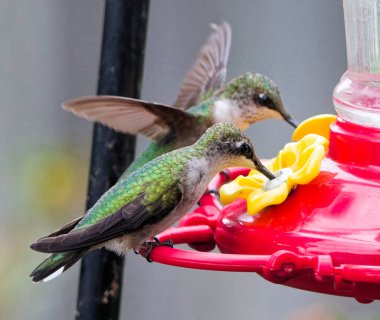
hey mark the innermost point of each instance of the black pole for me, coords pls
(121, 65)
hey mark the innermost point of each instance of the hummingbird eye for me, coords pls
(263, 98)
(245, 150)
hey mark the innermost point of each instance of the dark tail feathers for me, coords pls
(55, 264)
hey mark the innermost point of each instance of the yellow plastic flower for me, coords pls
(298, 163)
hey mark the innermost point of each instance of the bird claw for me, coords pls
(156, 243)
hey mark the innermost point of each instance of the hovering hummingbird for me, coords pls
(147, 201)
(203, 100)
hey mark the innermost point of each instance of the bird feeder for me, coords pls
(325, 237)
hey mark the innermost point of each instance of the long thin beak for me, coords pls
(261, 168)
(294, 123)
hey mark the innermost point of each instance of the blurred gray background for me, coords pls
(49, 53)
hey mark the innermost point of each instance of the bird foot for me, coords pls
(156, 243)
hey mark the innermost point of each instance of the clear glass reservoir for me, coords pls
(357, 95)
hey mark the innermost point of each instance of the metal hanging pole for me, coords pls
(121, 66)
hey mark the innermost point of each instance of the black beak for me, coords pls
(260, 167)
(294, 123)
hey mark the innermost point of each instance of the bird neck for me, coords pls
(229, 111)
(203, 108)
(199, 172)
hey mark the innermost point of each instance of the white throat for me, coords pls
(228, 111)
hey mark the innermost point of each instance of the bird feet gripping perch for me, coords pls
(153, 244)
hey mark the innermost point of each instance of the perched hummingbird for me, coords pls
(147, 201)
(203, 100)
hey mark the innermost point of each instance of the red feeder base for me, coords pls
(324, 238)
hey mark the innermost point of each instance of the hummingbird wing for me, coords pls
(209, 70)
(64, 229)
(131, 217)
(131, 115)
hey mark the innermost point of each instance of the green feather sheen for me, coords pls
(153, 151)
(202, 109)
(157, 181)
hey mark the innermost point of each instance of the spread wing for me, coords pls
(127, 219)
(131, 115)
(156, 120)
(209, 71)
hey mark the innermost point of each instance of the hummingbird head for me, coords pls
(227, 146)
(258, 98)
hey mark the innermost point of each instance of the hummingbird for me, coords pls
(204, 99)
(147, 201)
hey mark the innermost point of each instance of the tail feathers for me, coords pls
(55, 264)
